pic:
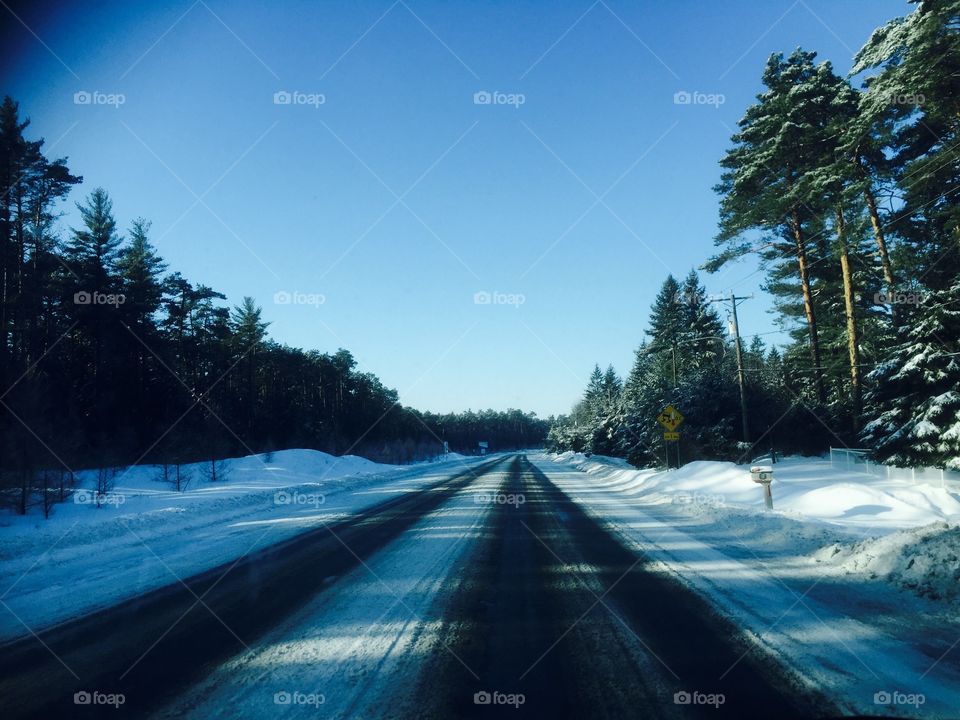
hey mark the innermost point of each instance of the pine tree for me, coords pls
(608, 414)
(593, 395)
(914, 406)
(93, 250)
(646, 392)
(765, 185)
(141, 271)
(704, 333)
(99, 341)
(248, 331)
(612, 387)
(915, 401)
(863, 144)
(919, 83)
(30, 186)
(668, 328)
(834, 184)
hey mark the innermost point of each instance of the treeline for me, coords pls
(107, 358)
(848, 196)
(689, 362)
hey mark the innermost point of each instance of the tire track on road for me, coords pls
(555, 609)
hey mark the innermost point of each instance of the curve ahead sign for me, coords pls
(670, 418)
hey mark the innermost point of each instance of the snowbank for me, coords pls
(803, 488)
(925, 560)
(146, 534)
(821, 512)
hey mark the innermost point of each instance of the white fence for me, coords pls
(857, 460)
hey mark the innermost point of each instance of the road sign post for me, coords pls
(670, 418)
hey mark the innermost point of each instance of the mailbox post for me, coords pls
(763, 474)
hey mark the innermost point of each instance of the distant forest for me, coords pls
(108, 358)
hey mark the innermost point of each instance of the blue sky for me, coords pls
(398, 198)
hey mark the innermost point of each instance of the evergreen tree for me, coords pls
(915, 400)
(765, 185)
(647, 391)
(913, 405)
(94, 286)
(919, 82)
(612, 387)
(668, 328)
(608, 415)
(593, 395)
(141, 272)
(248, 332)
(703, 329)
(94, 249)
(834, 184)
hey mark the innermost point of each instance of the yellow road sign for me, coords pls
(671, 436)
(670, 418)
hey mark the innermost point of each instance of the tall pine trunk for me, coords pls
(853, 341)
(881, 247)
(808, 305)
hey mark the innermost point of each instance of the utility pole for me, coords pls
(741, 379)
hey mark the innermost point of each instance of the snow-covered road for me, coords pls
(516, 585)
(353, 650)
(873, 647)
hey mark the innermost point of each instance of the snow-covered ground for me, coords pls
(852, 579)
(146, 534)
(892, 530)
(804, 489)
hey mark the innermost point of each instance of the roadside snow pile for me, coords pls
(137, 495)
(852, 523)
(925, 560)
(803, 488)
(145, 534)
(292, 463)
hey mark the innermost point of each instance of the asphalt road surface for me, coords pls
(487, 594)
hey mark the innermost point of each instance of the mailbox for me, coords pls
(761, 473)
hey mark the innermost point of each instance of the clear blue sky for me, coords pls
(493, 197)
